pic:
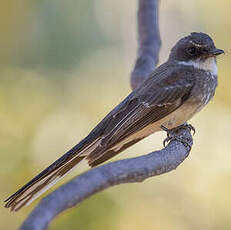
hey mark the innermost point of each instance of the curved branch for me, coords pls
(95, 180)
(123, 171)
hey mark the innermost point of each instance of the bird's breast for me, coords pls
(200, 96)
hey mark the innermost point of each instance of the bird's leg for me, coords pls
(172, 134)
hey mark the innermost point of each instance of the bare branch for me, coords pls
(149, 41)
(123, 171)
(97, 179)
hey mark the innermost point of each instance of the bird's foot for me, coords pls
(172, 134)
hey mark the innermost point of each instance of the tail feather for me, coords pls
(39, 185)
(51, 175)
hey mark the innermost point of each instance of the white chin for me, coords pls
(208, 64)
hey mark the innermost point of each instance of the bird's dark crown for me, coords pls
(194, 46)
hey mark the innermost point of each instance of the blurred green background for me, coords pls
(63, 66)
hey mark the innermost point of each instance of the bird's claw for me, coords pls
(191, 128)
(171, 134)
(166, 140)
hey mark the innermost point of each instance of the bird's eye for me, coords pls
(205, 50)
(192, 50)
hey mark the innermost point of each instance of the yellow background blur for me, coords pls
(63, 66)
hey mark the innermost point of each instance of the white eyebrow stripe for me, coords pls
(196, 44)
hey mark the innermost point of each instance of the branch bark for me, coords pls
(149, 41)
(128, 170)
(115, 173)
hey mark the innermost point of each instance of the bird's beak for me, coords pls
(216, 52)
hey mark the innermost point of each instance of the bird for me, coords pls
(172, 94)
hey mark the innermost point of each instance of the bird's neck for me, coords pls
(208, 65)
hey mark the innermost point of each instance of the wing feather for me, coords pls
(155, 99)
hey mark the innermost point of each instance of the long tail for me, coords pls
(51, 175)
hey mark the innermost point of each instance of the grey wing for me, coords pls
(154, 100)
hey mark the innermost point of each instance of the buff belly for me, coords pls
(176, 118)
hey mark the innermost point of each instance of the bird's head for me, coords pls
(193, 47)
(196, 50)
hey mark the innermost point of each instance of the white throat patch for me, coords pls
(209, 64)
